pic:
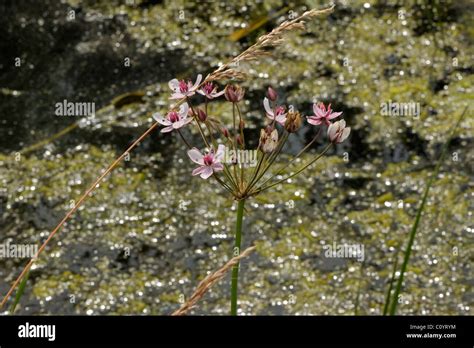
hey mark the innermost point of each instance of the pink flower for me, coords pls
(209, 90)
(279, 115)
(174, 119)
(338, 132)
(183, 89)
(209, 163)
(322, 115)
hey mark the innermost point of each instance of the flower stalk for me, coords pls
(236, 252)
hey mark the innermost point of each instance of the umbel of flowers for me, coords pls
(239, 180)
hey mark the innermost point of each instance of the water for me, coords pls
(151, 231)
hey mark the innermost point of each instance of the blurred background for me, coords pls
(152, 232)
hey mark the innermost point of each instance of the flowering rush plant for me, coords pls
(239, 180)
(231, 173)
(192, 106)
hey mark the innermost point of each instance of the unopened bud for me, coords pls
(241, 124)
(225, 132)
(201, 115)
(239, 140)
(234, 93)
(272, 94)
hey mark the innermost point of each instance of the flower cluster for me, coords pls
(239, 180)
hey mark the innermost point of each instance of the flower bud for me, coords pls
(239, 140)
(225, 132)
(268, 139)
(272, 94)
(201, 115)
(293, 121)
(241, 124)
(234, 93)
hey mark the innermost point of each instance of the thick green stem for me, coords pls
(236, 252)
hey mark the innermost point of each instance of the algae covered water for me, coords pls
(400, 71)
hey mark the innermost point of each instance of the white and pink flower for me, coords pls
(174, 119)
(322, 114)
(183, 89)
(209, 163)
(279, 114)
(209, 90)
(338, 132)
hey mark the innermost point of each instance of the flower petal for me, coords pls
(198, 170)
(217, 167)
(206, 172)
(177, 96)
(174, 84)
(183, 110)
(268, 109)
(196, 84)
(316, 109)
(332, 129)
(345, 134)
(161, 120)
(315, 121)
(334, 115)
(319, 109)
(196, 156)
(167, 129)
(281, 119)
(178, 124)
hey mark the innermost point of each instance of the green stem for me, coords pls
(390, 286)
(406, 258)
(20, 291)
(236, 252)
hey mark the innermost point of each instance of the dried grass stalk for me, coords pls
(259, 49)
(209, 281)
